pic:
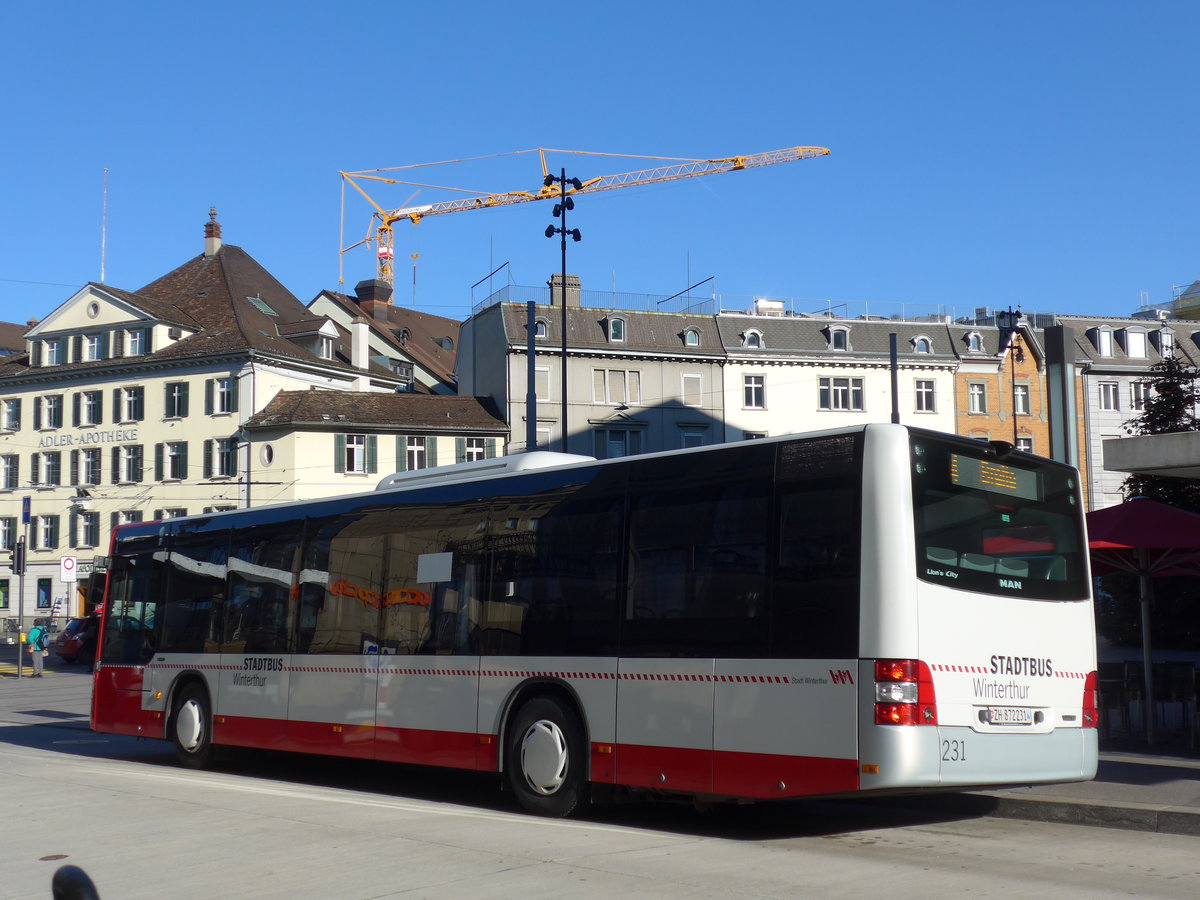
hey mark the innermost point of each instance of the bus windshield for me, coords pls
(991, 525)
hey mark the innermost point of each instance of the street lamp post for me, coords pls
(560, 213)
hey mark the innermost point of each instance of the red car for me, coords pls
(77, 642)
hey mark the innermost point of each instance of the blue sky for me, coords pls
(982, 154)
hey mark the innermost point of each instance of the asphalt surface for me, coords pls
(1137, 787)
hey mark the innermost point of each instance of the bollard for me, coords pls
(72, 883)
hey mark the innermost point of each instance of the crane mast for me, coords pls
(383, 219)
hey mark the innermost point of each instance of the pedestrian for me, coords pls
(35, 643)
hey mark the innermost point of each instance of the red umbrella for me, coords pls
(1148, 539)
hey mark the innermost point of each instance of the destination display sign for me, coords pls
(986, 475)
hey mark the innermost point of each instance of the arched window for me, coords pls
(839, 338)
(539, 329)
(616, 329)
(691, 338)
(752, 340)
(975, 342)
(922, 344)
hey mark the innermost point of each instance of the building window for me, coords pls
(135, 342)
(93, 348)
(220, 396)
(48, 411)
(175, 400)
(1166, 343)
(975, 342)
(616, 386)
(1104, 342)
(539, 328)
(130, 404)
(8, 532)
(752, 340)
(175, 461)
(691, 338)
(88, 408)
(693, 394)
(171, 513)
(416, 456)
(976, 397)
(1109, 398)
(1025, 444)
(1135, 344)
(690, 437)
(89, 530)
(225, 464)
(52, 355)
(839, 339)
(51, 467)
(616, 330)
(47, 532)
(612, 443)
(922, 345)
(541, 383)
(127, 464)
(1138, 392)
(126, 517)
(754, 391)
(475, 449)
(841, 393)
(3, 593)
(88, 466)
(753, 435)
(12, 415)
(43, 592)
(926, 398)
(1021, 399)
(10, 471)
(355, 459)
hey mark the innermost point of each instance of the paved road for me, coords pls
(266, 825)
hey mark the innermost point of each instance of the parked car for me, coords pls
(77, 642)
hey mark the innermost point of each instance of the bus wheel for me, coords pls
(191, 728)
(546, 758)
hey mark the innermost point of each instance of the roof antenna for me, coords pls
(103, 225)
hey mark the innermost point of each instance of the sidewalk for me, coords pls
(1137, 787)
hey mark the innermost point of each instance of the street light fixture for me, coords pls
(560, 213)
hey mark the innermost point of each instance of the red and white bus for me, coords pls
(863, 610)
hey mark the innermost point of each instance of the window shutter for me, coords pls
(74, 467)
(489, 451)
(16, 423)
(431, 457)
(208, 396)
(183, 400)
(34, 468)
(167, 411)
(372, 454)
(116, 404)
(116, 465)
(72, 529)
(183, 460)
(53, 533)
(231, 445)
(158, 462)
(158, 513)
(114, 520)
(37, 413)
(115, 340)
(37, 353)
(402, 453)
(208, 451)
(138, 404)
(339, 453)
(148, 342)
(77, 348)
(460, 450)
(137, 462)
(233, 393)
(75, 401)
(99, 407)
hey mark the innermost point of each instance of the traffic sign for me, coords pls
(67, 570)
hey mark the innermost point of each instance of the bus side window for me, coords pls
(341, 583)
(132, 615)
(194, 598)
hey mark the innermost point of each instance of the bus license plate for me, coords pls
(1010, 715)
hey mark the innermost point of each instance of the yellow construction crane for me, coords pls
(382, 219)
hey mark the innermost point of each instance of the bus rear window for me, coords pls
(996, 526)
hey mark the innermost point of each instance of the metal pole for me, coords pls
(531, 386)
(895, 379)
(1147, 592)
(562, 297)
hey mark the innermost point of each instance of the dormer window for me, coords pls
(325, 349)
(404, 336)
(691, 338)
(1135, 343)
(52, 353)
(93, 347)
(922, 344)
(616, 329)
(838, 337)
(136, 344)
(1103, 341)
(1164, 342)
(539, 328)
(444, 342)
(974, 342)
(752, 340)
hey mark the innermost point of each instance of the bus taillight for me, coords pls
(1091, 712)
(904, 693)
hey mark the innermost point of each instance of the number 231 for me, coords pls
(954, 751)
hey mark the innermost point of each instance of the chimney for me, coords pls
(372, 290)
(555, 285)
(212, 234)
(359, 350)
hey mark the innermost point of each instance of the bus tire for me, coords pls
(546, 758)
(191, 727)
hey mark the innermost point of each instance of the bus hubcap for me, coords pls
(188, 726)
(544, 757)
